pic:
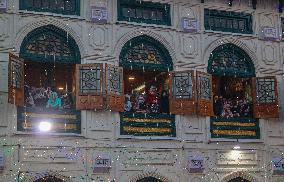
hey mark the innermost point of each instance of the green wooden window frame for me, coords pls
(144, 12)
(50, 6)
(228, 21)
(64, 42)
(164, 63)
(230, 60)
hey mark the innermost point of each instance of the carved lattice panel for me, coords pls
(230, 60)
(204, 94)
(114, 79)
(48, 44)
(265, 97)
(182, 92)
(16, 80)
(89, 86)
(144, 52)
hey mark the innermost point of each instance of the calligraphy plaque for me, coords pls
(268, 33)
(195, 163)
(189, 24)
(101, 162)
(99, 15)
(278, 166)
(3, 5)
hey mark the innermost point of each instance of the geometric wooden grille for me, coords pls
(265, 90)
(182, 86)
(49, 179)
(149, 179)
(145, 54)
(230, 60)
(114, 84)
(48, 44)
(204, 87)
(239, 179)
(17, 74)
(90, 79)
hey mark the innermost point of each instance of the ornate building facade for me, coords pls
(138, 91)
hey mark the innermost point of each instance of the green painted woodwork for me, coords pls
(70, 7)
(144, 12)
(221, 124)
(228, 21)
(159, 122)
(48, 44)
(230, 60)
(144, 52)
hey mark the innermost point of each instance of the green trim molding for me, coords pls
(163, 60)
(230, 60)
(228, 21)
(150, 124)
(234, 128)
(64, 8)
(144, 12)
(65, 50)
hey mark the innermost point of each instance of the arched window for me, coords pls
(230, 60)
(144, 52)
(239, 97)
(149, 179)
(42, 82)
(239, 179)
(146, 63)
(48, 44)
(49, 179)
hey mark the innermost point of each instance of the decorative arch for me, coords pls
(236, 42)
(230, 60)
(151, 175)
(50, 43)
(144, 52)
(24, 31)
(238, 174)
(36, 177)
(136, 33)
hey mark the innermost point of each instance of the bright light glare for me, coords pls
(236, 147)
(44, 126)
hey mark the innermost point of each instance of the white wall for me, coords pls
(162, 157)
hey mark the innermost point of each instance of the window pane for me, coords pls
(228, 21)
(55, 6)
(144, 12)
